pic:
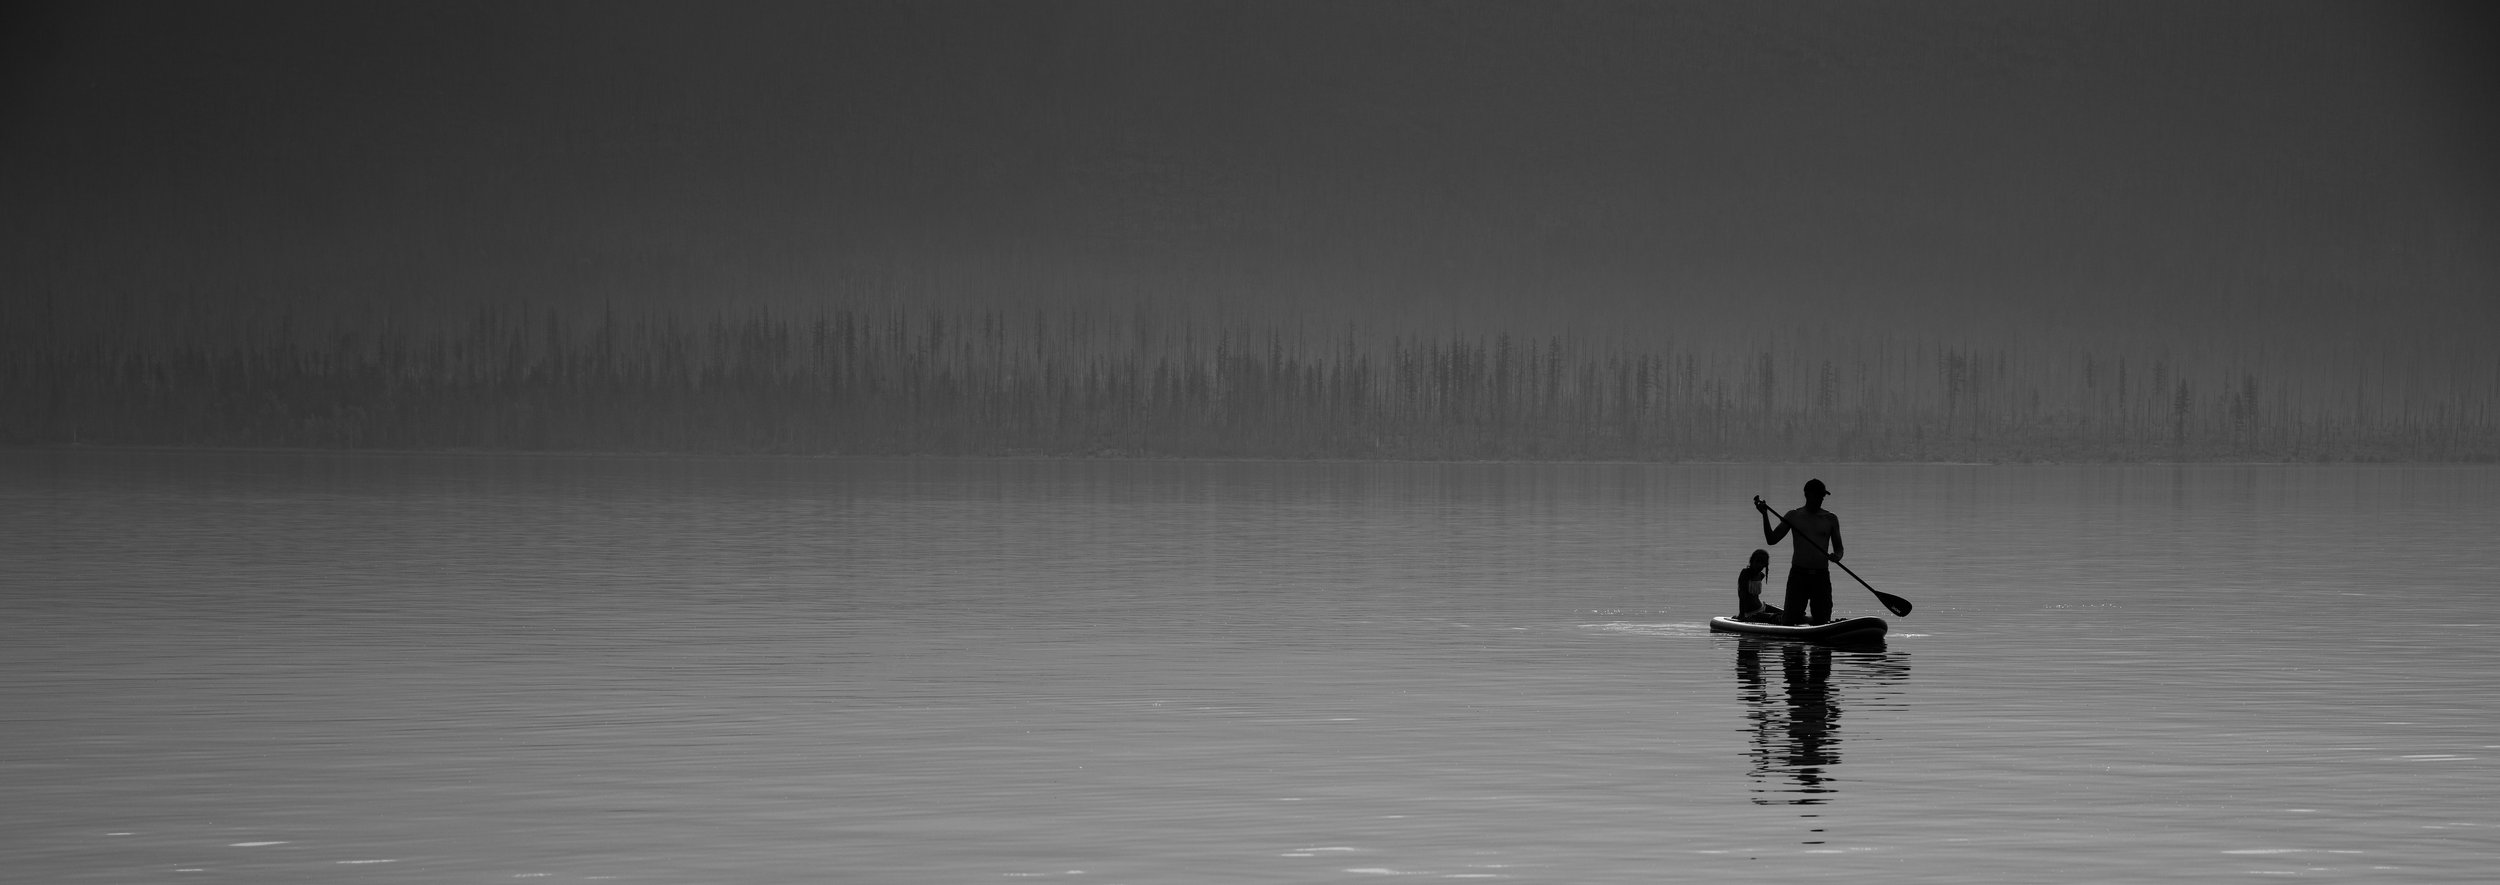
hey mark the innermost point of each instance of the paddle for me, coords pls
(1898, 606)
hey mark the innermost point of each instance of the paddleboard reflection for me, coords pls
(1794, 695)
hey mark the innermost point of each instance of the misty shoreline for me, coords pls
(1142, 384)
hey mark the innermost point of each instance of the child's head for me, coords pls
(1761, 559)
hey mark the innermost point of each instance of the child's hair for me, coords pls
(1761, 560)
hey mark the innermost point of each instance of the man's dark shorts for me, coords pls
(1809, 596)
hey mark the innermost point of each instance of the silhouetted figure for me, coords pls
(1809, 599)
(1749, 605)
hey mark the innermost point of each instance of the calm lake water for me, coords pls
(279, 668)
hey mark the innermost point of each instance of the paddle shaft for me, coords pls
(1895, 604)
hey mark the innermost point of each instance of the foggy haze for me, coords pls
(2251, 181)
(1420, 157)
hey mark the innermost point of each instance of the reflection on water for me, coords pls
(1795, 709)
(285, 667)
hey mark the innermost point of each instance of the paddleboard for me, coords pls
(1843, 629)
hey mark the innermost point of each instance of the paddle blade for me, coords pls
(1898, 606)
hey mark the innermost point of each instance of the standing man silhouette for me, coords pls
(1809, 599)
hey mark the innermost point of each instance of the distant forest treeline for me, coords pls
(907, 381)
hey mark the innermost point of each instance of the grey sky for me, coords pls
(2228, 162)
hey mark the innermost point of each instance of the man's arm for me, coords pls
(1770, 535)
(1835, 538)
